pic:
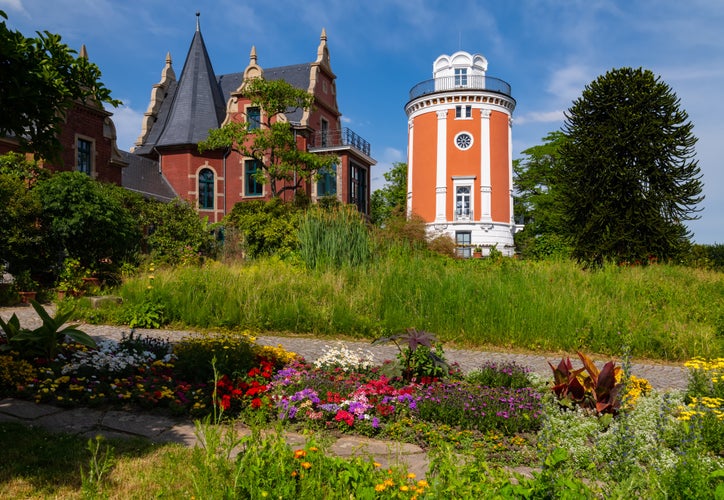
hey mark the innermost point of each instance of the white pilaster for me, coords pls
(441, 164)
(485, 183)
(410, 166)
(510, 167)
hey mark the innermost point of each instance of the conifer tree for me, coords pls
(627, 178)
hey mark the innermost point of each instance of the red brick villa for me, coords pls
(166, 161)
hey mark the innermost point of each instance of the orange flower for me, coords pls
(300, 454)
(306, 465)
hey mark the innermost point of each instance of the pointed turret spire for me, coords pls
(198, 105)
(253, 70)
(83, 52)
(323, 51)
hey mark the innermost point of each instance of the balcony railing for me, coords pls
(469, 82)
(336, 138)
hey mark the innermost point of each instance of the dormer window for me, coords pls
(461, 77)
(253, 117)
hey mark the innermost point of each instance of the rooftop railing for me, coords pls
(469, 82)
(336, 138)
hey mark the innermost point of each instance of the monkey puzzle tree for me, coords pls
(626, 179)
(269, 138)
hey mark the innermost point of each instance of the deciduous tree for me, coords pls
(272, 141)
(627, 178)
(392, 197)
(40, 79)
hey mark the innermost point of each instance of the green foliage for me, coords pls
(508, 374)
(587, 387)
(22, 243)
(705, 257)
(392, 198)
(265, 227)
(85, 221)
(332, 239)
(71, 275)
(44, 340)
(273, 144)
(421, 357)
(176, 233)
(536, 198)
(230, 353)
(42, 78)
(626, 178)
(99, 467)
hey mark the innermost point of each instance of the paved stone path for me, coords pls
(114, 423)
(661, 375)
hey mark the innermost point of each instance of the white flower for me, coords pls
(342, 357)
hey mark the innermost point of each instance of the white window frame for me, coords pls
(458, 182)
(464, 112)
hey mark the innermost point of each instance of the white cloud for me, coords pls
(540, 117)
(13, 5)
(128, 125)
(389, 156)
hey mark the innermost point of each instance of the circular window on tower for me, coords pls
(463, 140)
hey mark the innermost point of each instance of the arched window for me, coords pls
(206, 189)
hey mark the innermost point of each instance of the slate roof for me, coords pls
(197, 104)
(197, 101)
(143, 176)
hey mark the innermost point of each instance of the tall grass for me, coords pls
(660, 311)
(333, 238)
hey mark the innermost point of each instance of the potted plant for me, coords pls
(26, 286)
(478, 252)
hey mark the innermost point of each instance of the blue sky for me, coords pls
(548, 50)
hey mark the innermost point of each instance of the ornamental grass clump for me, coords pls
(480, 408)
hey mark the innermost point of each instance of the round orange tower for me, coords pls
(460, 170)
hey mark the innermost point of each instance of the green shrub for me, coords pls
(176, 233)
(265, 227)
(233, 353)
(85, 220)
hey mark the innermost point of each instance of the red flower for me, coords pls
(385, 410)
(333, 397)
(344, 416)
(256, 403)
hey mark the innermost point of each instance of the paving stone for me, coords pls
(360, 446)
(26, 410)
(145, 425)
(183, 433)
(73, 421)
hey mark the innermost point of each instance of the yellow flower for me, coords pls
(306, 465)
(380, 487)
(411, 475)
(377, 464)
(423, 484)
(404, 488)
